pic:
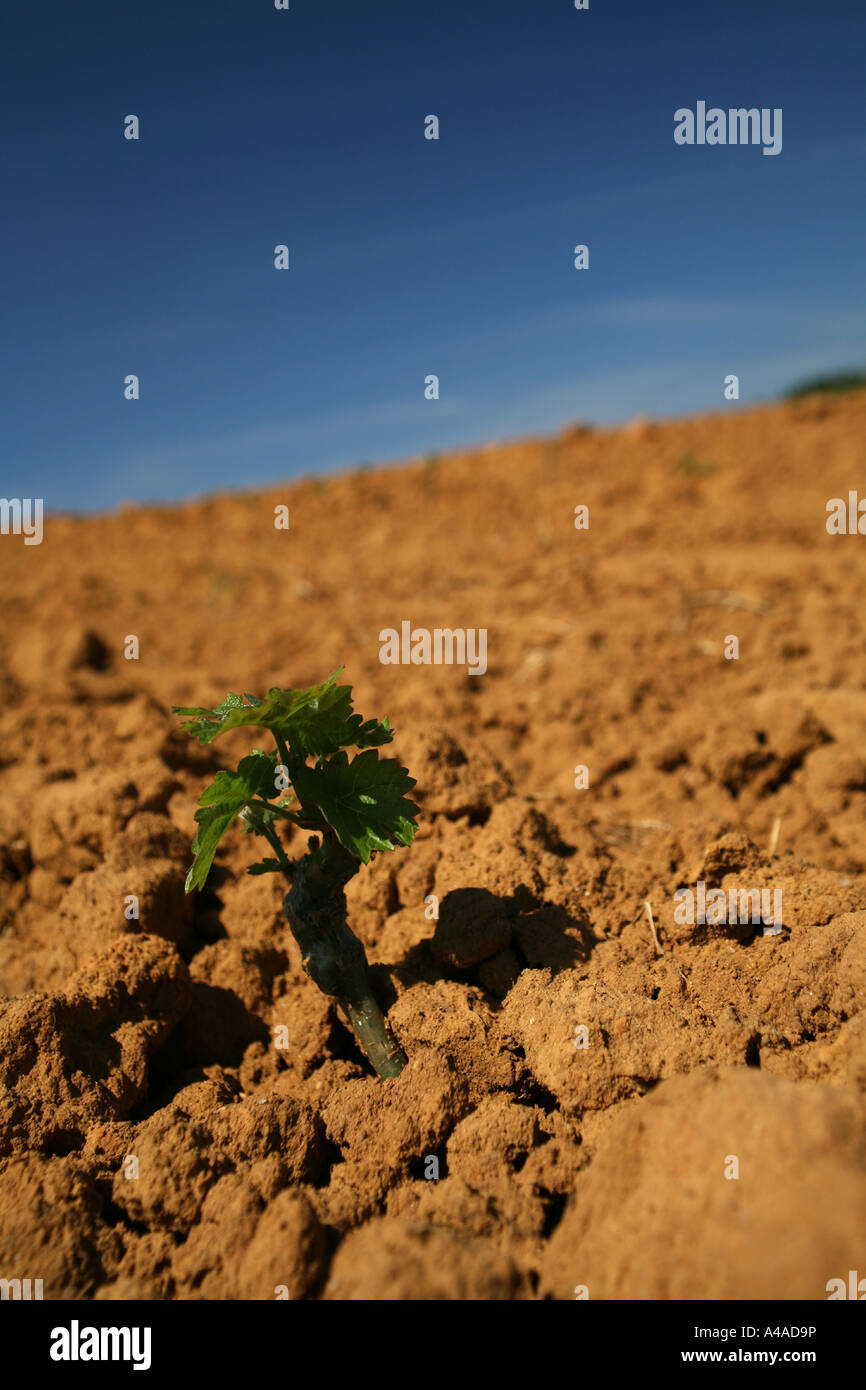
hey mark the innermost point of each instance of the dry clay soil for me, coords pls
(156, 1139)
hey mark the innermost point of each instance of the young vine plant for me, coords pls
(354, 807)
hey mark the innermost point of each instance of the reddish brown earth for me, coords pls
(602, 1166)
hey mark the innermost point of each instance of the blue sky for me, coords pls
(408, 256)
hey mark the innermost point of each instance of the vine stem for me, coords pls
(282, 858)
(282, 748)
(333, 957)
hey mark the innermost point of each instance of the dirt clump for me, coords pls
(763, 1190)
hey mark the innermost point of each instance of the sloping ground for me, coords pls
(615, 1106)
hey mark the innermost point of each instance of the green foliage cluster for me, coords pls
(852, 379)
(362, 800)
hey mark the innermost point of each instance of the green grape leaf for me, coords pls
(221, 802)
(205, 724)
(265, 866)
(313, 722)
(363, 800)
